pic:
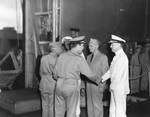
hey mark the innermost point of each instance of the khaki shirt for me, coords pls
(70, 65)
(47, 82)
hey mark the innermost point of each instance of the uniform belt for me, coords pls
(46, 74)
(71, 80)
(68, 78)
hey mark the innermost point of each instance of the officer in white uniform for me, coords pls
(119, 75)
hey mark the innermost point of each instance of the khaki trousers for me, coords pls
(47, 104)
(66, 97)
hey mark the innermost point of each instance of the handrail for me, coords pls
(137, 77)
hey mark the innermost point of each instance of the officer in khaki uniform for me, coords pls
(98, 63)
(119, 76)
(68, 69)
(135, 70)
(145, 64)
(47, 83)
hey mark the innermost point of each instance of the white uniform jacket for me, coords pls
(118, 73)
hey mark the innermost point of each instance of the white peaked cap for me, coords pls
(79, 39)
(115, 38)
(66, 38)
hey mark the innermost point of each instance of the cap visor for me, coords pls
(112, 41)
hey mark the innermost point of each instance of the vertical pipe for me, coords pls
(23, 40)
(149, 79)
(146, 17)
(54, 20)
(56, 15)
(59, 19)
(29, 45)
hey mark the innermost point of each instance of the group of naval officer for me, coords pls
(60, 72)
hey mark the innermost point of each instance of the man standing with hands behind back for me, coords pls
(119, 76)
(98, 63)
(47, 83)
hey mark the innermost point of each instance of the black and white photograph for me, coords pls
(74, 58)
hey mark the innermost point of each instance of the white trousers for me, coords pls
(117, 104)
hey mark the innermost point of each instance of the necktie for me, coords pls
(139, 58)
(91, 57)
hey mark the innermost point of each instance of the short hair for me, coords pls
(97, 41)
